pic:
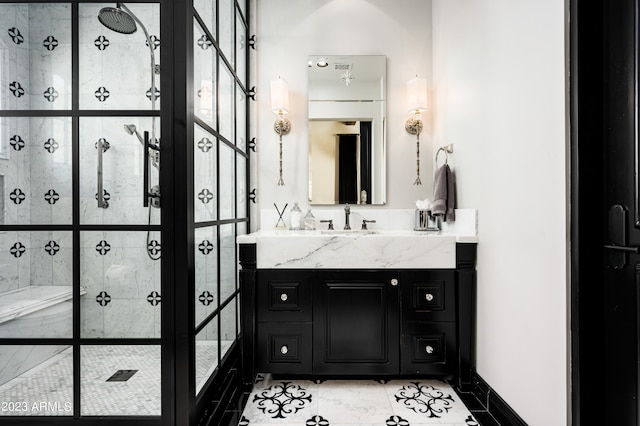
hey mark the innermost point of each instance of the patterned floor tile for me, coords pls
(354, 403)
(281, 402)
(427, 402)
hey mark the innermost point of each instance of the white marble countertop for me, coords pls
(375, 248)
(253, 237)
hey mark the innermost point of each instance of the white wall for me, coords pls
(499, 82)
(288, 32)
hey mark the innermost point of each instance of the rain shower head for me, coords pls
(117, 20)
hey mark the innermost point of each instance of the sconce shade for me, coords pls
(279, 96)
(417, 94)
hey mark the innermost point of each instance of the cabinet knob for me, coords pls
(284, 350)
(429, 297)
(284, 297)
(394, 282)
(429, 349)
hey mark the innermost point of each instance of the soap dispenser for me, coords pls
(295, 219)
(309, 222)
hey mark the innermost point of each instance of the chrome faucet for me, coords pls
(347, 212)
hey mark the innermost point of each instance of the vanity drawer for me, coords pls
(428, 348)
(428, 295)
(284, 295)
(284, 347)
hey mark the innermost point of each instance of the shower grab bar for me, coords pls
(102, 203)
(146, 194)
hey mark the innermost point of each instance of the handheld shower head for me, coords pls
(117, 20)
(131, 129)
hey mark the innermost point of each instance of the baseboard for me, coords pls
(495, 405)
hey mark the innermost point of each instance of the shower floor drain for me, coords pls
(122, 375)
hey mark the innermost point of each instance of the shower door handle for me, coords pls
(145, 155)
(146, 193)
(102, 203)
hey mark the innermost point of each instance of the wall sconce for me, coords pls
(280, 107)
(417, 100)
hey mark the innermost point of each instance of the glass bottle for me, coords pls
(295, 219)
(309, 222)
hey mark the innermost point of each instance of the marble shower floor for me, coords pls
(354, 402)
(47, 389)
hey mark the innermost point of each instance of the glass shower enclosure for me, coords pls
(87, 197)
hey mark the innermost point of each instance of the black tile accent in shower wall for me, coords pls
(51, 94)
(102, 94)
(17, 196)
(50, 43)
(16, 89)
(51, 196)
(154, 298)
(51, 145)
(205, 247)
(205, 196)
(17, 250)
(154, 247)
(17, 143)
(52, 248)
(103, 247)
(148, 94)
(206, 298)
(205, 144)
(204, 42)
(103, 298)
(101, 42)
(155, 41)
(105, 195)
(15, 35)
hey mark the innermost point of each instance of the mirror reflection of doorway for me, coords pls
(354, 166)
(347, 169)
(341, 162)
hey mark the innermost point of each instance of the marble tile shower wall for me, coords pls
(121, 281)
(36, 56)
(115, 69)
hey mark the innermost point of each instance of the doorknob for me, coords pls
(617, 237)
(623, 248)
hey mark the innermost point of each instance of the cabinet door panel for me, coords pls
(284, 295)
(355, 323)
(284, 348)
(428, 295)
(428, 348)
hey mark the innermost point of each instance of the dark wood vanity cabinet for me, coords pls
(359, 322)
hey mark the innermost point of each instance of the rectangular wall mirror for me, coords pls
(347, 114)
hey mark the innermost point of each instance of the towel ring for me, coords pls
(448, 149)
(446, 158)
